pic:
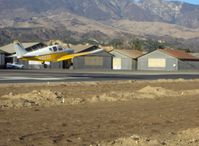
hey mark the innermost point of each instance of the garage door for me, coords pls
(157, 62)
(94, 61)
(117, 63)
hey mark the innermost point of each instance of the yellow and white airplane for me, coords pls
(54, 53)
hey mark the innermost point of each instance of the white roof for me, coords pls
(80, 47)
(10, 47)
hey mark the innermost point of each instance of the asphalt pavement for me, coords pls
(33, 76)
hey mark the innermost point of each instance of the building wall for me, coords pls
(56, 65)
(127, 63)
(134, 64)
(25, 63)
(102, 60)
(2, 60)
(122, 63)
(170, 63)
(35, 66)
(52, 65)
(188, 65)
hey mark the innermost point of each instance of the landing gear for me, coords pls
(67, 64)
(45, 65)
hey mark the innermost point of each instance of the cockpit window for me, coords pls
(60, 48)
(55, 49)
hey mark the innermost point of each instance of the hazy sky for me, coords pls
(191, 1)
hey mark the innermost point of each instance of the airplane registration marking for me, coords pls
(46, 57)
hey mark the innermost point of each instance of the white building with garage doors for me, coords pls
(168, 60)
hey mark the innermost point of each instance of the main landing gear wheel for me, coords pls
(45, 65)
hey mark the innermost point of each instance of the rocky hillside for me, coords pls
(100, 19)
(144, 10)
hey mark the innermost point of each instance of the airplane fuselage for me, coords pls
(47, 54)
(54, 53)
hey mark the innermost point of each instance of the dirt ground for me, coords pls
(114, 113)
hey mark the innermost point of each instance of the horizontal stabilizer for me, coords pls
(11, 56)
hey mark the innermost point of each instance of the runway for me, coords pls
(33, 76)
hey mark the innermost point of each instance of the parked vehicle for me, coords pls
(14, 65)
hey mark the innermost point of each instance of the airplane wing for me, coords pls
(70, 56)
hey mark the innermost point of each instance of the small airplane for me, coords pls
(54, 53)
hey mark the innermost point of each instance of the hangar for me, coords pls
(2, 59)
(9, 50)
(168, 60)
(101, 61)
(125, 59)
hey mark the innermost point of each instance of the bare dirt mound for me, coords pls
(113, 97)
(153, 92)
(36, 98)
(188, 137)
(150, 91)
(91, 92)
(134, 140)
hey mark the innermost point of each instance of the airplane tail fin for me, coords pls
(19, 48)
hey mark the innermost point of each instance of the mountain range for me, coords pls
(101, 19)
